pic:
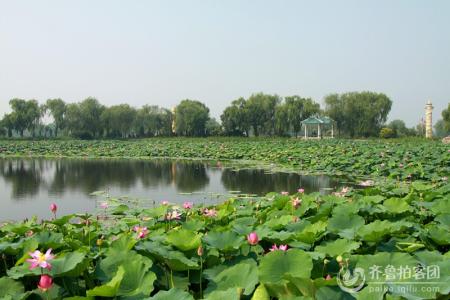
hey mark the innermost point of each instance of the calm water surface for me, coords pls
(29, 186)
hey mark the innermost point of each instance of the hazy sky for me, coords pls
(160, 52)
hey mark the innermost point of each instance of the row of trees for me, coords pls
(90, 119)
(263, 114)
(356, 114)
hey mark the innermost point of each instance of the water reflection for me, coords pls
(38, 182)
(257, 181)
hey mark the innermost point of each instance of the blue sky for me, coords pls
(160, 52)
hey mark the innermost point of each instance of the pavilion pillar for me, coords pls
(318, 130)
(332, 131)
(306, 132)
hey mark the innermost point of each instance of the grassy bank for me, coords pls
(398, 159)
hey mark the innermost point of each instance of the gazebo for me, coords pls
(320, 123)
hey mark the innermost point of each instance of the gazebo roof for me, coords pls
(318, 120)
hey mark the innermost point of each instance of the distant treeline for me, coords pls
(356, 114)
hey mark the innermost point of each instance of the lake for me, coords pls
(29, 186)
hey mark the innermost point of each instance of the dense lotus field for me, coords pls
(276, 247)
(409, 159)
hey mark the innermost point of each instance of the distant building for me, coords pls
(318, 126)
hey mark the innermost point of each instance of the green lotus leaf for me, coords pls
(230, 294)
(172, 294)
(332, 292)
(442, 206)
(312, 232)
(109, 289)
(17, 228)
(396, 205)
(48, 239)
(225, 241)
(124, 242)
(444, 220)
(372, 199)
(184, 239)
(243, 275)
(277, 223)
(23, 270)
(137, 280)
(421, 186)
(337, 247)
(10, 288)
(275, 265)
(345, 225)
(176, 260)
(194, 225)
(261, 293)
(439, 235)
(71, 264)
(375, 231)
(63, 220)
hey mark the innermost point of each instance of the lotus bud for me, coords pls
(252, 238)
(99, 242)
(53, 208)
(328, 277)
(45, 283)
(339, 259)
(200, 250)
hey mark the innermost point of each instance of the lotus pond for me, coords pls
(389, 240)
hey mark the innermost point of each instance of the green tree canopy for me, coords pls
(25, 115)
(358, 113)
(446, 117)
(235, 118)
(191, 117)
(57, 108)
(261, 113)
(400, 129)
(117, 120)
(152, 120)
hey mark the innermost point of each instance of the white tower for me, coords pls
(428, 120)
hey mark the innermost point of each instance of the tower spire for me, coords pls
(429, 120)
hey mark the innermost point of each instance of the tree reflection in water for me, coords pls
(27, 177)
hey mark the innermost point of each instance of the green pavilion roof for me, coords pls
(318, 120)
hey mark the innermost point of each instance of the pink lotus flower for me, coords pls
(301, 191)
(188, 205)
(328, 277)
(29, 233)
(45, 282)
(165, 202)
(210, 212)
(141, 231)
(284, 193)
(53, 208)
(400, 165)
(282, 247)
(104, 205)
(252, 238)
(296, 202)
(41, 259)
(173, 215)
